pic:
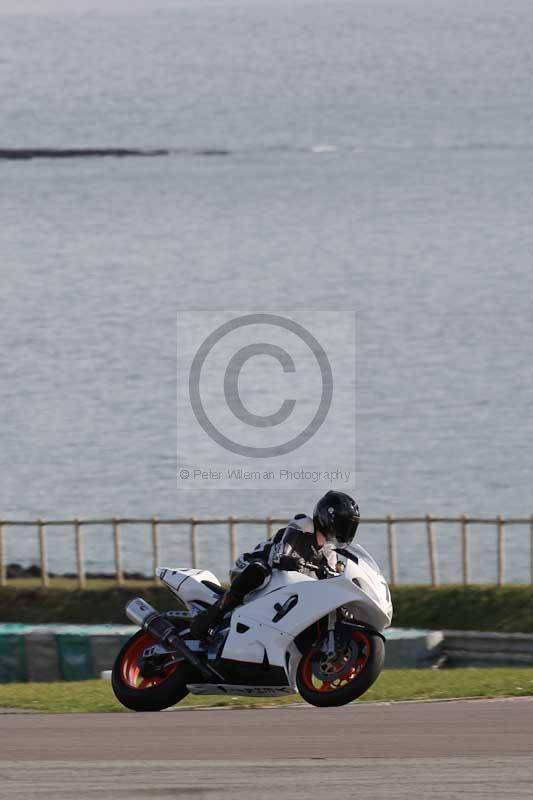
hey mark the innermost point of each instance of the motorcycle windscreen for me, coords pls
(363, 555)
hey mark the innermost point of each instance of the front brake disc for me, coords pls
(328, 668)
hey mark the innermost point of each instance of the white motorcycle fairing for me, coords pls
(188, 585)
(262, 631)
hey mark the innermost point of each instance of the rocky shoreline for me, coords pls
(34, 571)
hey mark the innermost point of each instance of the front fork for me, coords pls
(332, 621)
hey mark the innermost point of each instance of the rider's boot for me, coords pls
(203, 622)
(251, 578)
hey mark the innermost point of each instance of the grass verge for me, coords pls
(481, 608)
(401, 684)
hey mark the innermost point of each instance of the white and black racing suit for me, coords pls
(294, 547)
(291, 548)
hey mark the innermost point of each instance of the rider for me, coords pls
(304, 543)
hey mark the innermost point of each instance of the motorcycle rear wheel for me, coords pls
(338, 680)
(161, 690)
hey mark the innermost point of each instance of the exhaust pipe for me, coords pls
(140, 612)
(145, 616)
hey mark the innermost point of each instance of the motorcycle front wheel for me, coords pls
(165, 687)
(335, 680)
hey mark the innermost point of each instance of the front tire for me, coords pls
(161, 690)
(335, 681)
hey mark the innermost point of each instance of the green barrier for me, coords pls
(105, 650)
(41, 657)
(12, 659)
(49, 653)
(75, 657)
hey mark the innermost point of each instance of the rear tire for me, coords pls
(149, 694)
(359, 664)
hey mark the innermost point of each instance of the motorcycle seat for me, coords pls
(214, 587)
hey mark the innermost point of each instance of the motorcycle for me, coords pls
(320, 638)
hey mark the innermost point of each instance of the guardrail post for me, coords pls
(465, 536)
(155, 549)
(119, 574)
(45, 581)
(194, 544)
(391, 538)
(501, 550)
(3, 558)
(432, 552)
(531, 546)
(232, 540)
(80, 561)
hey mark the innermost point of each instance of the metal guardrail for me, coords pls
(499, 523)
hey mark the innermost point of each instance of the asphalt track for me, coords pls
(431, 751)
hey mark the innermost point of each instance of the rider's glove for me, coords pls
(290, 563)
(325, 571)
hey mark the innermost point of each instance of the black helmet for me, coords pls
(336, 515)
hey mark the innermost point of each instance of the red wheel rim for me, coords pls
(131, 667)
(343, 677)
